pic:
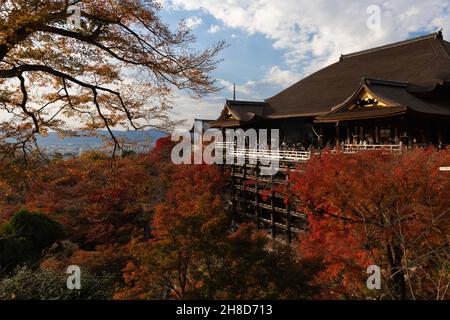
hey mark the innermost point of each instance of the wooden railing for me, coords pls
(280, 155)
(353, 148)
(300, 156)
(257, 154)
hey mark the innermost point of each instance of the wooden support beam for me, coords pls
(233, 201)
(244, 195)
(288, 215)
(288, 222)
(338, 138)
(257, 198)
(272, 204)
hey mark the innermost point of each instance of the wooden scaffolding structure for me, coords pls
(264, 201)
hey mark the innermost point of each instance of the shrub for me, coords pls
(28, 284)
(24, 237)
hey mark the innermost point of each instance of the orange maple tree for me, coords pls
(378, 209)
(119, 67)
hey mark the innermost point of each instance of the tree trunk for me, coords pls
(397, 281)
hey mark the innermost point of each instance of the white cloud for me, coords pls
(214, 28)
(282, 78)
(315, 33)
(254, 89)
(188, 108)
(245, 89)
(193, 22)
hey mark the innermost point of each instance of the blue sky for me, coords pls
(274, 43)
(247, 54)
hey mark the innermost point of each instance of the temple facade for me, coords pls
(398, 94)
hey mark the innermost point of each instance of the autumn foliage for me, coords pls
(156, 230)
(378, 209)
(194, 254)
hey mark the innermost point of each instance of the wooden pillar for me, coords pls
(288, 222)
(257, 197)
(288, 216)
(348, 139)
(338, 138)
(244, 195)
(320, 142)
(272, 203)
(233, 194)
(440, 141)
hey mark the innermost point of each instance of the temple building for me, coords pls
(398, 94)
(390, 98)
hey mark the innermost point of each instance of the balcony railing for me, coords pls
(297, 155)
(261, 154)
(354, 148)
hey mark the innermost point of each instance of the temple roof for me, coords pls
(236, 113)
(411, 75)
(376, 98)
(422, 62)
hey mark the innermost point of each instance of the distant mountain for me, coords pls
(53, 143)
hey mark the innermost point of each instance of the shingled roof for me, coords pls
(422, 62)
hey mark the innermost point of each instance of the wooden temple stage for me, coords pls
(263, 199)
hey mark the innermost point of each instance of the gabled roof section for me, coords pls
(377, 98)
(423, 62)
(245, 110)
(236, 113)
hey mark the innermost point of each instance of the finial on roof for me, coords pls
(234, 91)
(439, 34)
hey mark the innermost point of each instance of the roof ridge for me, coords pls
(435, 35)
(245, 102)
(385, 82)
(202, 119)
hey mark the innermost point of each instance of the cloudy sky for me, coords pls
(274, 43)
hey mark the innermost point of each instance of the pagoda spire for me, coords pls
(234, 91)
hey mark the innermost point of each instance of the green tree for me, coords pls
(24, 237)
